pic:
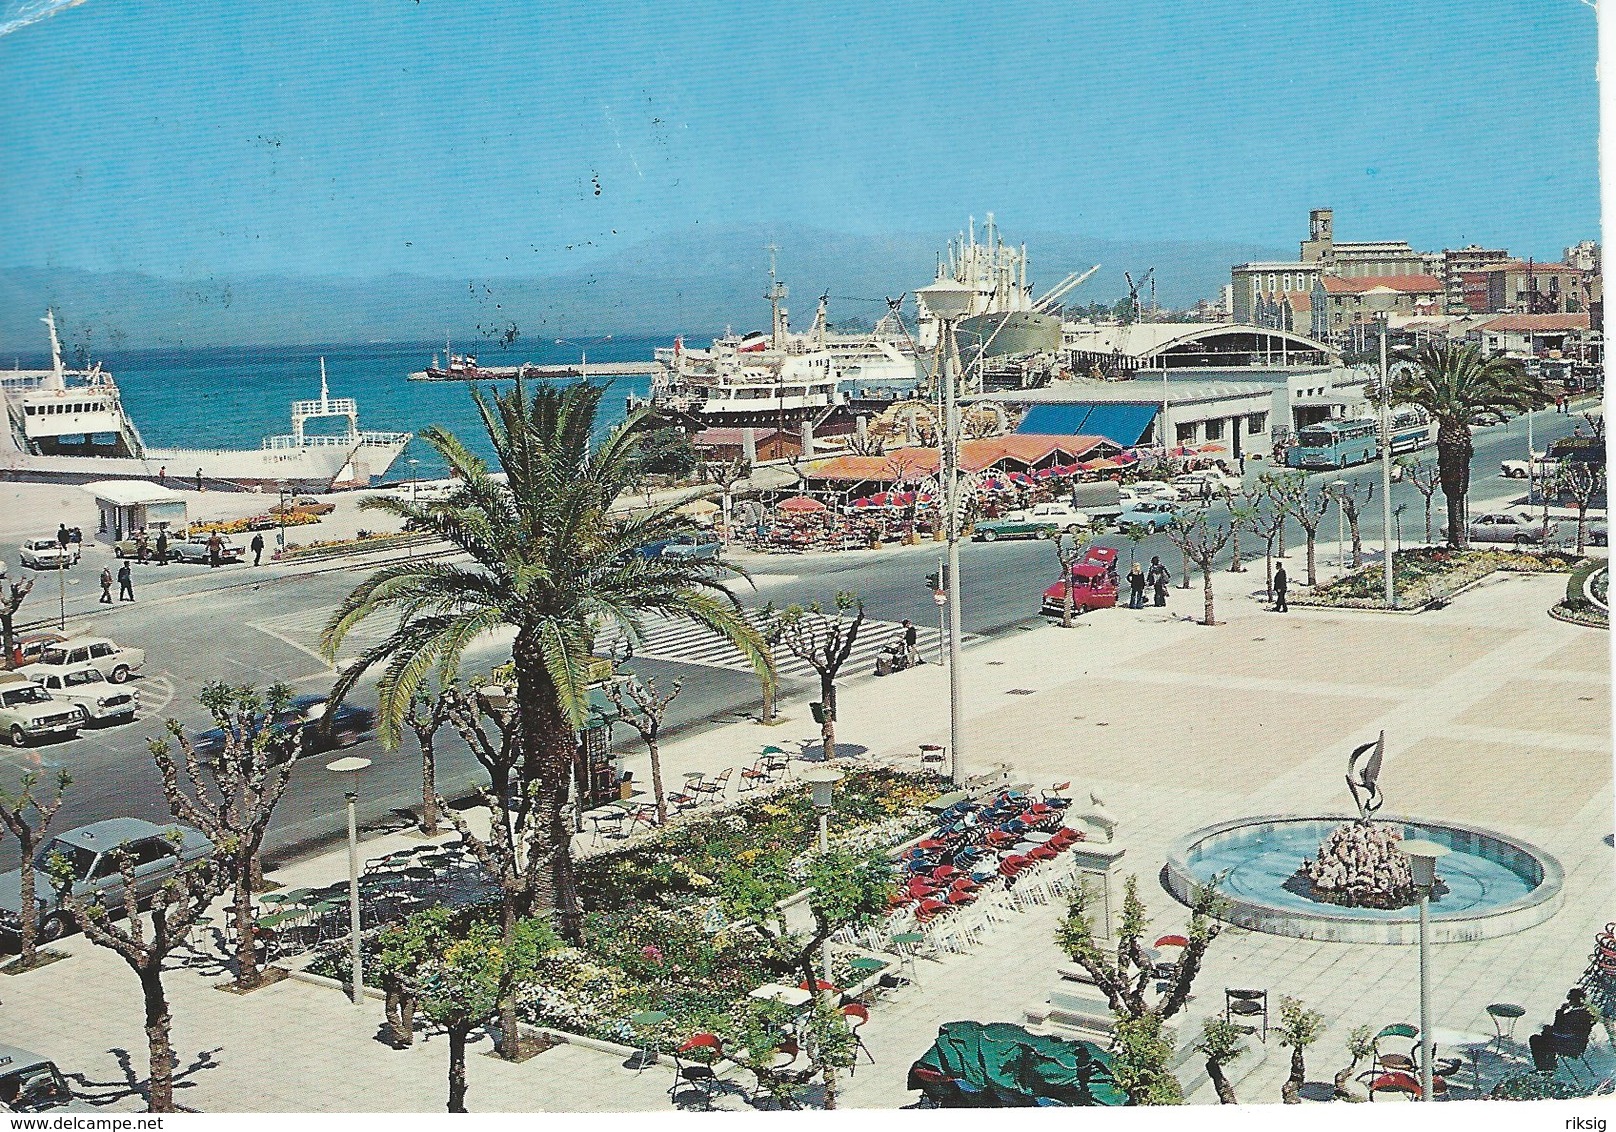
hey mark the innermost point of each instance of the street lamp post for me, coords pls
(1386, 465)
(949, 301)
(1339, 488)
(351, 766)
(823, 780)
(1422, 859)
(280, 513)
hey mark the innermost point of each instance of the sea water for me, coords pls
(233, 397)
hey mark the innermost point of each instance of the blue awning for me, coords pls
(1125, 425)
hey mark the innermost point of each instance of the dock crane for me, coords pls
(1134, 304)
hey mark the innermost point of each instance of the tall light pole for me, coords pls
(1422, 858)
(822, 780)
(949, 301)
(351, 766)
(1386, 465)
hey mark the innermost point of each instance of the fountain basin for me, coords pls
(1496, 885)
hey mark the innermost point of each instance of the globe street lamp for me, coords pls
(949, 301)
(1422, 858)
(351, 766)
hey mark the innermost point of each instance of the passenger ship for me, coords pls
(69, 425)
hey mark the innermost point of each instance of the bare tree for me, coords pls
(1200, 541)
(769, 629)
(29, 834)
(1242, 506)
(646, 717)
(424, 716)
(1308, 508)
(1426, 480)
(1581, 481)
(1351, 507)
(11, 596)
(1266, 520)
(1067, 548)
(230, 795)
(825, 640)
(175, 909)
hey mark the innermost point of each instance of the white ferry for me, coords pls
(70, 425)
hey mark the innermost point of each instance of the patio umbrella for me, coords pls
(802, 505)
(696, 508)
(1217, 448)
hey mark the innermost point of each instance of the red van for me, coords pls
(1094, 584)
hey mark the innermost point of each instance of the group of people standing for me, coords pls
(1157, 579)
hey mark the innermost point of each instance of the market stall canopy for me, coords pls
(998, 1064)
(802, 505)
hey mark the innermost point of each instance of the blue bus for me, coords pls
(1411, 430)
(1335, 444)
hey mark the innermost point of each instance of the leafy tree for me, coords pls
(845, 889)
(462, 986)
(424, 715)
(1143, 1050)
(1298, 1028)
(404, 952)
(666, 452)
(1461, 390)
(551, 559)
(1581, 481)
(14, 809)
(11, 595)
(1242, 506)
(231, 796)
(1360, 1044)
(175, 910)
(1426, 481)
(1351, 508)
(646, 716)
(1308, 508)
(1200, 541)
(825, 640)
(1135, 533)
(1220, 1042)
(1068, 549)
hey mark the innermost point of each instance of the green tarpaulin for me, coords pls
(997, 1064)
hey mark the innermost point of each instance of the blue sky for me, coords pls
(456, 137)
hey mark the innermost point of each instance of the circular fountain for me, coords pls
(1489, 884)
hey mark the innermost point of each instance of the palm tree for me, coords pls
(1460, 389)
(549, 558)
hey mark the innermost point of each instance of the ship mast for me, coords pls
(58, 379)
(776, 293)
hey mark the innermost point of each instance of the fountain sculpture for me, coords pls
(1359, 864)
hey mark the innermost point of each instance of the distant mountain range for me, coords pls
(695, 282)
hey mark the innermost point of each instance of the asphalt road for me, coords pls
(225, 626)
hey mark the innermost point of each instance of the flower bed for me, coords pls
(654, 937)
(1431, 573)
(1576, 607)
(364, 541)
(253, 523)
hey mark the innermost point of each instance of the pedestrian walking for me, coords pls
(1159, 578)
(1282, 583)
(106, 585)
(62, 537)
(911, 639)
(215, 549)
(126, 583)
(162, 476)
(199, 479)
(142, 547)
(162, 547)
(1136, 586)
(257, 548)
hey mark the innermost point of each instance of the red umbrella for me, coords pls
(802, 504)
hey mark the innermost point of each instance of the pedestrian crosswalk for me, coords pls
(683, 642)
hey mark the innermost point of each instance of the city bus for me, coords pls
(1411, 430)
(1335, 444)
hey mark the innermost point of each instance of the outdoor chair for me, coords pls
(714, 790)
(776, 761)
(1167, 969)
(1569, 1048)
(1246, 1004)
(1397, 1083)
(608, 826)
(694, 1064)
(756, 775)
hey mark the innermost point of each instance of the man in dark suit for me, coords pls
(1569, 1031)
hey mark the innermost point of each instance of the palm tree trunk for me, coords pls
(160, 1089)
(1453, 450)
(457, 1068)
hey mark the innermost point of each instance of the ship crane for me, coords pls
(1060, 290)
(1134, 305)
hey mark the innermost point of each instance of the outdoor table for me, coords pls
(867, 965)
(779, 992)
(938, 805)
(645, 1020)
(1504, 1016)
(1470, 1043)
(1039, 838)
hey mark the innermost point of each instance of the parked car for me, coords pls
(91, 854)
(27, 712)
(100, 700)
(30, 1082)
(1598, 533)
(196, 550)
(47, 554)
(304, 504)
(1094, 584)
(113, 660)
(1520, 528)
(1152, 514)
(1043, 521)
(1539, 467)
(27, 647)
(301, 728)
(691, 546)
(1205, 484)
(1154, 489)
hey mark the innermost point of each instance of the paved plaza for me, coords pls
(1495, 715)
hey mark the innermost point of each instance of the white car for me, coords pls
(46, 554)
(27, 712)
(1154, 489)
(1539, 467)
(100, 700)
(1205, 484)
(112, 660)
(1058, 512)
